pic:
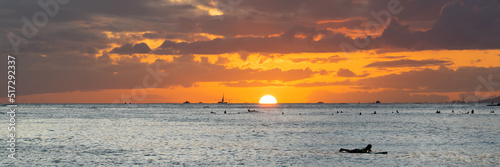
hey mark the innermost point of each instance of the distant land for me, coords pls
(494, 100)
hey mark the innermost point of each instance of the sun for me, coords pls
(267, 99)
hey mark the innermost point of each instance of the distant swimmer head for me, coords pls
(369, 147)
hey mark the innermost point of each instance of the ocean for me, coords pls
(276, 135)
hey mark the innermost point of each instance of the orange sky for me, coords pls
(292, 51)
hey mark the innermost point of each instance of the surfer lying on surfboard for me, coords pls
(367, 149)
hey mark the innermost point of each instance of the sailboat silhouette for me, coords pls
(222, 101)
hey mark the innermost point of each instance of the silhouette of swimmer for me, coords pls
(397, 111)
(359, 113)
(374, 112)
(224, 112)
(367, 149)
(472, 112)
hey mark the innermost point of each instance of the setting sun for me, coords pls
(267, 99)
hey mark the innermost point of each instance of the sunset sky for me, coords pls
(299, 51)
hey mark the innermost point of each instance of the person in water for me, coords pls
(367, 149)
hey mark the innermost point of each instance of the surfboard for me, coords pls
(380, 152)
(383, 152)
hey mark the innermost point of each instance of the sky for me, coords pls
(299, 51)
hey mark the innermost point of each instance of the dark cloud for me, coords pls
(62, 39)
(348, 73)
(317, 9)
(331, 59)
(264, 17)
(153, 36)
(129, 49)
(244, 55)
(393, 57)
(413, 11)
(457, 27)
(79, 25)
(261, 17)
(295, 39)
(324, 72)
(463, 79)
(233, 26)
(92, 10)
(409, 63)
(222, 60)
(461, 25)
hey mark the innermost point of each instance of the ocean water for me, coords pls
(304, 135)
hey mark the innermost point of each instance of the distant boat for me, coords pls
(186, 102)
(222, 101)
(498, 104)
(320, 102)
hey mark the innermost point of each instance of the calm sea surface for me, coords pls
(305, 135)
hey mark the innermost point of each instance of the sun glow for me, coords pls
(267, 99)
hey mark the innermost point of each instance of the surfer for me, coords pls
(367, 149)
